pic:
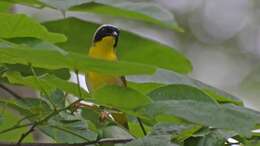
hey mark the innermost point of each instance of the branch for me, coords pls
(55, 112)
(141, 125)
(101, 141)
(15, 95)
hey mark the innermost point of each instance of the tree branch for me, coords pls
(55, 112)
(141, 125)
(101, 141)
(15, 95)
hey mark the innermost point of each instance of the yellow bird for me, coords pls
(104, 42)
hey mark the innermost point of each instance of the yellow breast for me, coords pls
(102, 50)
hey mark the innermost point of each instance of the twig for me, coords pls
(41, 87)
(15, 127)
(53, 113)
(24, 135)
(15, 95)
(101, 141)
(79, 90)
(141, 125)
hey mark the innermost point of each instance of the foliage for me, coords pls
(42, 56)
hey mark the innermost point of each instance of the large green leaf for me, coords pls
(50, 59)
(180, 92)
(47, 83)
(167, 77)
(120, 97)
(19, 25)
(205, 113)
(145, 11)
(130, 48)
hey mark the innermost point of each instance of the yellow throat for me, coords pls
(104, 49)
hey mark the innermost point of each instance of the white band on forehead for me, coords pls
(103, 25)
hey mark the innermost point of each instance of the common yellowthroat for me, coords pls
(103, 47)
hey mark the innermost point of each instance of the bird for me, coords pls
(104, 43)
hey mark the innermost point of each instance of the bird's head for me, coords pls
(107, 34)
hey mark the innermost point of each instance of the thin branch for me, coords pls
(78, 82)
(101, 141)
(24, 135)
(141, 125)
(15, 127)
(53, 113)
(42, 88)
(15, 95)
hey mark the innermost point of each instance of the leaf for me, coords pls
(212, 139)
(25, 70)
(47, 83)
(73, 131)
(167, 77)
(32, 108)
(115, 132)
(19, 25)
(145, 11)
(180, 92)
(205, 113)
(120, 97)
(64, 4)
(158, 140)
(186, 133)
(5, 6)
(11, 118)
(221, 98)
(143, 50)
(144, 88)
(13, 54)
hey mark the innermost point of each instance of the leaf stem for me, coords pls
(141, 125)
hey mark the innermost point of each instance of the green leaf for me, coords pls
(205, 113)
(64, 4)
(144, 88)
(186, 133)
(115, 132)
(143, 11)
(179, 132)
(214, 138)
(13, 54)
(32, 108)
(25, 70)
(19, 25)
(120, 97)
(71, 131)
(221, 98)
(5, 6)
(180, 92)
(167, 77)
(47, 83)
(157, 140)
(141, 51)
(11, 118)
